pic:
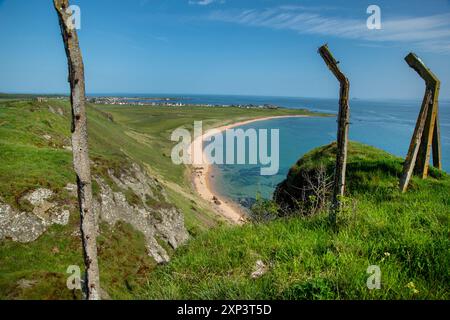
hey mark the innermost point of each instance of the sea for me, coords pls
(385, 124)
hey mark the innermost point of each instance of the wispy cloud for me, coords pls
(204, 2)
(430, 33)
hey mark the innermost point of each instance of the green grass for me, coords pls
(123, 263)
(28, 160)
(117, 136)
(153, 126)
(25, 96)
(406, 235)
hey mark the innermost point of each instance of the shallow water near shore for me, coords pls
(386, 125)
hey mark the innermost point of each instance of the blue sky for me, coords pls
(255, 47)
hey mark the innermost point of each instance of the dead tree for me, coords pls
(342, 132)
(80, 148)
(426, 135)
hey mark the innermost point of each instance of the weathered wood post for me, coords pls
(418, 157)
(80, 148)
(342, 132)
(415, 144)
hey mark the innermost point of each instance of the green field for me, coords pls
(406, 235)
(153, 126)
(117, 136)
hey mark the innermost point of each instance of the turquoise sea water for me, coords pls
(386, 125)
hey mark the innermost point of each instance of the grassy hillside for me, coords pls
(35, 153)
(406, 235)
(153, 126)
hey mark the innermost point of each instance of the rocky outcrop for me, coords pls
(22, 226)
(131, 196)
(19, 226)
(48, 212)
(161, 221)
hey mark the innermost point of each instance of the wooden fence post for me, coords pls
(431, 134)
(415, 144)
(342, 132)
(81, 161)
(426, 136)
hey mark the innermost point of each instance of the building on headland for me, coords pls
(169, 102)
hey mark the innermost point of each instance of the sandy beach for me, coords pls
(201, 178)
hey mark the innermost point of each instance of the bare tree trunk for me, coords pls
(80, 148)
(342, 133)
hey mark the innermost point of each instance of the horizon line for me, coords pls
(166, 95)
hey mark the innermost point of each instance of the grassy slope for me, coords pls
(154, 125)
(406, 235)
(151, 127)
(29, 161)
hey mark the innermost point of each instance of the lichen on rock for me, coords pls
(22, 226)
(164, 222)
(151, 213)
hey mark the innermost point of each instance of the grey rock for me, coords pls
(259, 270)
(38, 196)
(25, 284)
(28, 226)
(19, 226)
(61, 217)
(165, 223)
(162, 224)
(72, 189)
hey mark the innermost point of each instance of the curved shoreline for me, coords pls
(201, 177)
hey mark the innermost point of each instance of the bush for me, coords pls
(264, 210)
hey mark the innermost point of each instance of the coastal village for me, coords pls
(157, 101)
(170, 102)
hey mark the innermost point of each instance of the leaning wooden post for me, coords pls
(415, 144)
(80, 148)
(342, 132)
(431, 135)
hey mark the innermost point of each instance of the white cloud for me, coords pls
(205, 2)
(430, 33)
